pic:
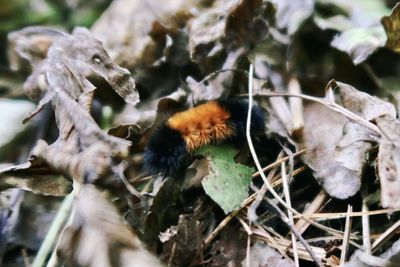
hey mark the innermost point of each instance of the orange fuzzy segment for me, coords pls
(202, 125)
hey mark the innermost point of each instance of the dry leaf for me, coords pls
(140, 29)
(224, 27)
(388, 161)
(322, 132)
(353, 147)
(367, 106)
(391, 24)
(34, 176)
(97, 236)
(291, 14)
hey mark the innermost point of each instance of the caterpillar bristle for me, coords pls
(212, 122)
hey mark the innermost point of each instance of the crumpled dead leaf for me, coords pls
(76, 56)
(384, 114)
(224, 27)
(322, 132)
(338, 150)
(97, 236)
(388, 161)
(140, 30)
(291, 14)
(153, 112)
(87, 166)
(219, 84)
(352, 148)
(150, 217)
(363, 104)
(34, 176)
(391, 24)
(30, 45)
(63, 77)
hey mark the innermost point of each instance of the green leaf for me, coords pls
(223, 152)
(227, 182)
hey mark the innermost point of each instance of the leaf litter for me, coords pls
(218, 212)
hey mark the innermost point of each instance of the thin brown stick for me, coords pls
(346, 236)
(286, 220)
(302, 225)
(278, 162)
(171, 256)
(290, 214)
(385, 236)
(215, 73)
(228, 218)
(259, 230)
(333, 106)
(273, 192)
(25, 257)
(339, 215)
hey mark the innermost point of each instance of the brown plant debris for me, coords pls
(82, 98)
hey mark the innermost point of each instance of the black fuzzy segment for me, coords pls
(165, 152)
(238, 111)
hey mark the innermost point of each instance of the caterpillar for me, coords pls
(215, 121)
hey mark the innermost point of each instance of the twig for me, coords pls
(259, 168)
(338, 215)
(120, 170)
(286, 220)
(172, 255)
(290, 214)
(228, 219)
(261, 192)
(296, 106)
(232, 215)
(385, 236)
(256, 161)
(278, 162)
(281, 243)
(278, 181)
(335, 107)
(25, 257)
(338, 234)
(54, 231)
(346, 236)
(246, 227)
(215, 73)
(365, 228)
(266, 235)
(301, 225)
(248, 251)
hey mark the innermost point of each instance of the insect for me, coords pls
(212, 122)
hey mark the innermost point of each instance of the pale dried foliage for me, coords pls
(336, 136)
(98, 237)
(96, 234)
